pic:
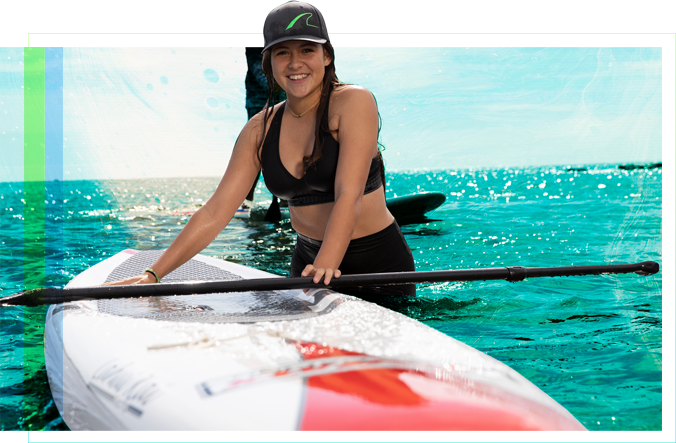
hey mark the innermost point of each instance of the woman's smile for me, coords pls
(298, 78)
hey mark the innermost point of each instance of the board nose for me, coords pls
(356, 392)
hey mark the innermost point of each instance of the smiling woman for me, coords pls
(318, 150)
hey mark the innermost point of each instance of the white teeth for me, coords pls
(297, 77)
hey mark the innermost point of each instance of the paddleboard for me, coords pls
(279, 360)
(414, 206)
(406, 208)
(242, 212)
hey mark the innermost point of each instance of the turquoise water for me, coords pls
(592, 343)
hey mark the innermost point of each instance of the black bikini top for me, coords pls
(317, 185)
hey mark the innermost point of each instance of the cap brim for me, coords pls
(305, 38)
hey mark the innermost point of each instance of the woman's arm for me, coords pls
(209, 220)
(358, 138)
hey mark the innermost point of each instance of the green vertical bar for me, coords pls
(668, 213)
(34, 232)
(34, 115)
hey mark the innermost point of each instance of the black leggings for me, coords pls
(384, 251)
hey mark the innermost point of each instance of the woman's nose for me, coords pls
(294, 61)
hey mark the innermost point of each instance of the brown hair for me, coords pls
(329, 83)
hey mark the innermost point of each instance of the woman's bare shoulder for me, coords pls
(349, 94)
(351, 100)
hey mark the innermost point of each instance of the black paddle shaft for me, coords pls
(48, 296)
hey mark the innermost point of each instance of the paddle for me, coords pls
(274, 214)
(45, 296)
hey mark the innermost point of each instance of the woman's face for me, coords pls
(298, 67)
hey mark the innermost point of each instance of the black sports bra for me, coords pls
(317, 185)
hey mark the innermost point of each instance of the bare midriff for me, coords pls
(311, 221)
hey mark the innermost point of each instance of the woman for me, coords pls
(319, 151)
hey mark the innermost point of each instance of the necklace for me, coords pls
(308, 110)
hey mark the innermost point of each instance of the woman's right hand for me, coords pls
(142, 279)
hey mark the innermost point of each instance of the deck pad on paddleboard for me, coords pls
(244, 307)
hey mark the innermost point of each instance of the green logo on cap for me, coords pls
(307, 22)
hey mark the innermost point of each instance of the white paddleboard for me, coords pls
(282, 360)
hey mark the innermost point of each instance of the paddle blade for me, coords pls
(273, 214)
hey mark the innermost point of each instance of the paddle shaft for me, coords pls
(47, 296)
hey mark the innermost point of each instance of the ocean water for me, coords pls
(592, 343)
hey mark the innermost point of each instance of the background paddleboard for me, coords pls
(405, 209)
(411, 208)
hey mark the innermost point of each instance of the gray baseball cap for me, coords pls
(294, 21)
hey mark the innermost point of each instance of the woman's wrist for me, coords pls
(325, 264)
(153, 274)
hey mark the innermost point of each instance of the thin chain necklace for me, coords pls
(308, 110)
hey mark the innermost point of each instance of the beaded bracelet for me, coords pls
(154, 274)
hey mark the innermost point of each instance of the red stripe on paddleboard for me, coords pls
(329, 410)
(130, 251)
(390, 399)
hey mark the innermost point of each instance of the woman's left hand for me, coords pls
(318, 273)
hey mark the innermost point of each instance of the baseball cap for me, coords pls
(294, 21)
